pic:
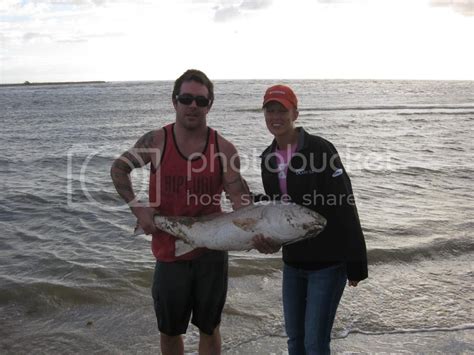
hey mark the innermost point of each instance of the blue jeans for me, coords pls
(310, 300)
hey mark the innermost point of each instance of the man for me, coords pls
(191, 164)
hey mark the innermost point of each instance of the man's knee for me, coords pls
(210, 343)
(215, 334)
(210, 339)
(170, 339)
(171, 345)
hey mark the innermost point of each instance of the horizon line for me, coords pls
(36, 83)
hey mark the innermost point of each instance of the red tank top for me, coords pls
(184, 187)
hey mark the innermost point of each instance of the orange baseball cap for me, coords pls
(282, 94)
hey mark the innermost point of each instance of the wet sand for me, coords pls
(432, 342)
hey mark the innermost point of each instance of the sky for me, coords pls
(120, 40)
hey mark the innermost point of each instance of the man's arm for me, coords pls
(146, 149)
(237, 189)
(234, 185)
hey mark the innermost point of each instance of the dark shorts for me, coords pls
(196, 287)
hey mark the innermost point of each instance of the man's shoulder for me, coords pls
(225, 146)
(158, 134)
(152, 139)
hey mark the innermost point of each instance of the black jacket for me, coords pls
(317, 179)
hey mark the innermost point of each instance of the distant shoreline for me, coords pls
(27, 83)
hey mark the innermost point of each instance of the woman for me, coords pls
(306, 169)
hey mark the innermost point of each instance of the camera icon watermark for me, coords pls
(89, 181)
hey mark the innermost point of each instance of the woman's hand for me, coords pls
(265, 245)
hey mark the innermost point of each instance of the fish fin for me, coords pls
(181, 248)
(137, 230)
(246, 224)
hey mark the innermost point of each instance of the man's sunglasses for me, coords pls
(187, 99)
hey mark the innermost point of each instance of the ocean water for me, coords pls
(74, 280)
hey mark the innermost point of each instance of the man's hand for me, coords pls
(145, 218)
(265, 245)
(353, 283)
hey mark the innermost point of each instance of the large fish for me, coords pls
(284, 223)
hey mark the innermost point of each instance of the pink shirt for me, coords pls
(283, 157)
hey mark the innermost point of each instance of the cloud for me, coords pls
(333, 1)
(72, 40)
(38, 37)
(255, 4)
(464, 7)
(226, 13)
(87, 37)
(60, 21)
(230, 11)
(76, 2)
(51, 4)
(6, 5)
(33, 36)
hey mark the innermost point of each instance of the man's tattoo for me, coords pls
(121, 165)
(147, 141)
(128, 161)
(123, 187)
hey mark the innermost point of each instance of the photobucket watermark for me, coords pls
(310, 199)
(89, 177)
(252, 160)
